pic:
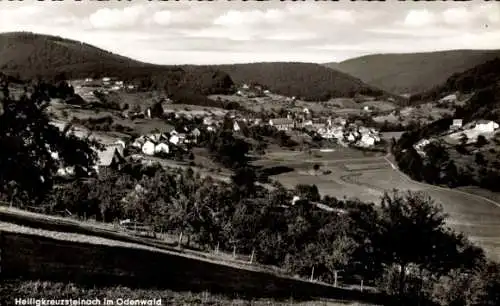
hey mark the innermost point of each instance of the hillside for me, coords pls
(415, 72)
(482, 81)
(311, 82)
(27, 55)
(460, 158)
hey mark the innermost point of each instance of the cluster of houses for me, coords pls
(328, 128)
(85, 88)
(163, 143)
(458, 131)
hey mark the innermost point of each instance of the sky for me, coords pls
(218, 32)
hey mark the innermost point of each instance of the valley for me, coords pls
(266, 179)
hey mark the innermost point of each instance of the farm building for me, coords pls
(486, 126)
(457, 124)
(110, 158)
(148, 148)
(162, 148)
(282, 124)
(449, 98)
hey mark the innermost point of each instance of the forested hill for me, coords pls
(28, 55)
(413, 72)
(483, 81)
(308, 81)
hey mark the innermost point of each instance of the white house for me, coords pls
(120, 143)
(236, 126)
(457, 123)
(367, 140)
(366, 108)
(208, 121)
(195, 133)
(106, 79)
(162, 148)
(174, 139)
(138, 142)
(449, 99)
(282, 124)
(484, 126)
(420, 146)
(65, 171)
(148, 148)
(351, 137)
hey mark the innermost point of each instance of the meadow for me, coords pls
(355, 174)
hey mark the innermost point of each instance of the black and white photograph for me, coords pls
(340, 153)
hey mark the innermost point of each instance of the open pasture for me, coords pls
(365, 166)
(367, 178)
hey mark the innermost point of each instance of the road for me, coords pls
(474, 215)
(439, 188)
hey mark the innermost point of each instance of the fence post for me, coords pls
(217, 249)
(312, 274)
(361, 287)
(335, 274)
(1, 254)
(251, 257)
(234, 251)
(180, 239)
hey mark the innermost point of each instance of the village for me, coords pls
(168, 142)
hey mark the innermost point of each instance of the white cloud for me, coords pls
(418, 18)
(458, 15)
(237, 18)
(431, 32)
(220, 32)
(174, 32)
(107, 18)
(291, 36)
(162, 17)
(340, 16)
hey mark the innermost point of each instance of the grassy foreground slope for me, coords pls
(412, 72)
(41, 289)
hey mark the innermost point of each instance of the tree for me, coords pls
(28, 142)
(308, 192)
(245, 178)
(480, 160)
(412, 232)
(481, 141)
(463, 139)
